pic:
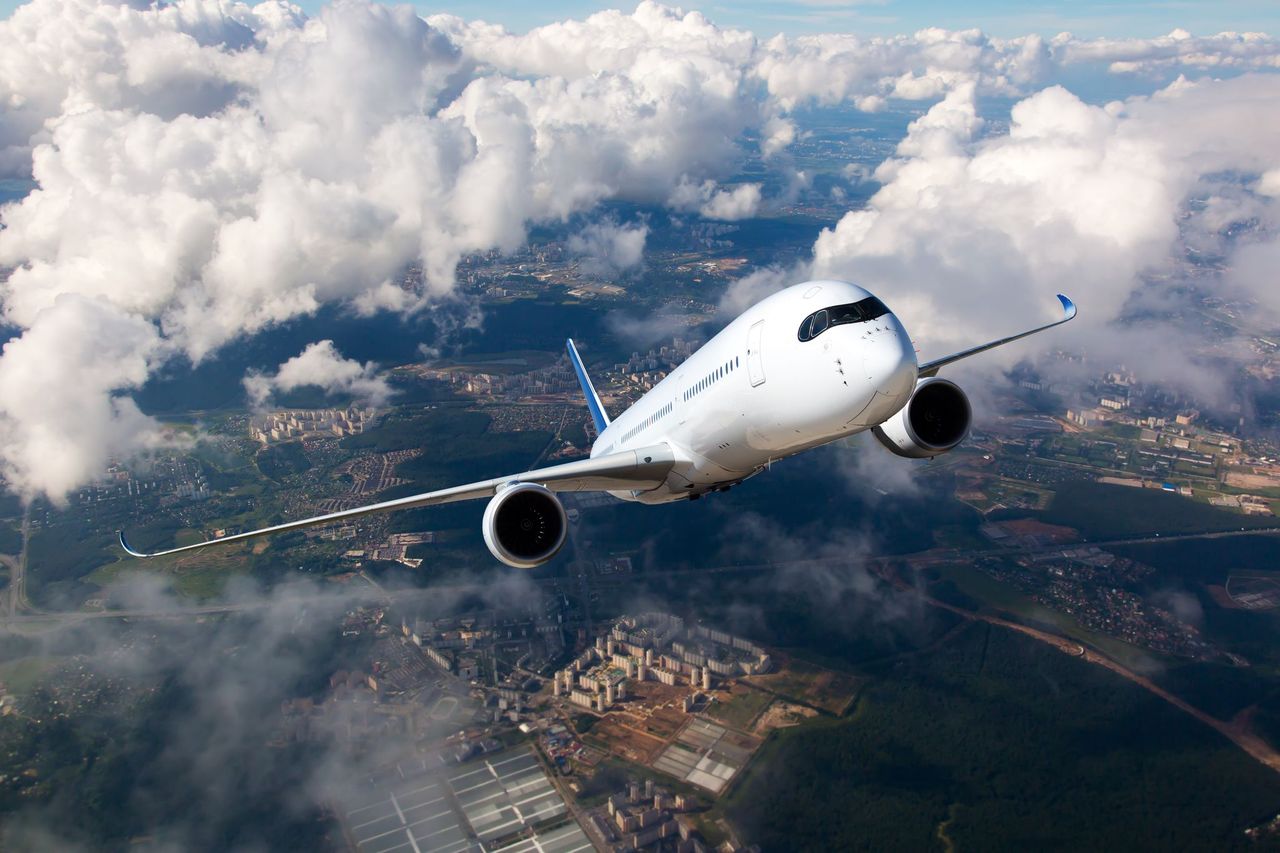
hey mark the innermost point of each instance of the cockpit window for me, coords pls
(838, 315)
(819, 322)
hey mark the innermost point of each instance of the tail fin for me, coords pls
(598, 414)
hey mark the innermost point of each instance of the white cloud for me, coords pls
(63, 411)
(740, 202)
(207, 169)
(212, 170)
(779, 133)
(966, 236)
(1179, 49)
(831, 68)
(321, 365)
(609, 248)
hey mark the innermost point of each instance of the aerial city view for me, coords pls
(792, 548)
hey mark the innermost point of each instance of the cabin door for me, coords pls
(755, 358)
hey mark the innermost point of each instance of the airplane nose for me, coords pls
(890, 364)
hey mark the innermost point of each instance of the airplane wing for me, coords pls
(640, 469)
(931, 368)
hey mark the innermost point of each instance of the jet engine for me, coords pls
(524, 525)
(935, 420)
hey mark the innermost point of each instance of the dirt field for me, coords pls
(812, 685)
(613, 736)
(654, 708)
(782, 714)
(1252, 481)
(1031, 527)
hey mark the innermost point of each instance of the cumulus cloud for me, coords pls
(211, 169)
(741, 202)
(64, 412)
(608, 248)
(339, 150)
(320, 365)
(835, 68)
(967, 233)
(1227, 51)
(756, 285)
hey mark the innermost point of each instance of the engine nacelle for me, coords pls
(525, 525)
(933, 421)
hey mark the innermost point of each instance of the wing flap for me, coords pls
(641, 470)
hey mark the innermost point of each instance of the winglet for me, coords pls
(125, 545)
(598, 415)
(931, 368)
(1068, 307)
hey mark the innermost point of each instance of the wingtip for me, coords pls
(1068, 307)
(125, 545)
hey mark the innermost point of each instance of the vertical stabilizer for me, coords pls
(598, 415)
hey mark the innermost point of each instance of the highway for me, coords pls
(1240, 735)
(18, 570)
(376, 593)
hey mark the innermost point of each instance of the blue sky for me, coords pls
(885, 17)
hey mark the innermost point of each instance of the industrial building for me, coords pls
(498, 802)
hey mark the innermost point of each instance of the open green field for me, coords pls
(828, 690)
(516, 361)
(202, 575)
(980, 591)
(1104, 511)
(739, 709)
(21, 675)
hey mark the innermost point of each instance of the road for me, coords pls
(18, 570)
(940, 556)
(1236, 733)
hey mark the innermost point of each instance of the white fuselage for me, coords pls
(756, 392)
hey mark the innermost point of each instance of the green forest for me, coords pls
(996, 742)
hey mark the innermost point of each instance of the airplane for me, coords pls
(808, 365)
